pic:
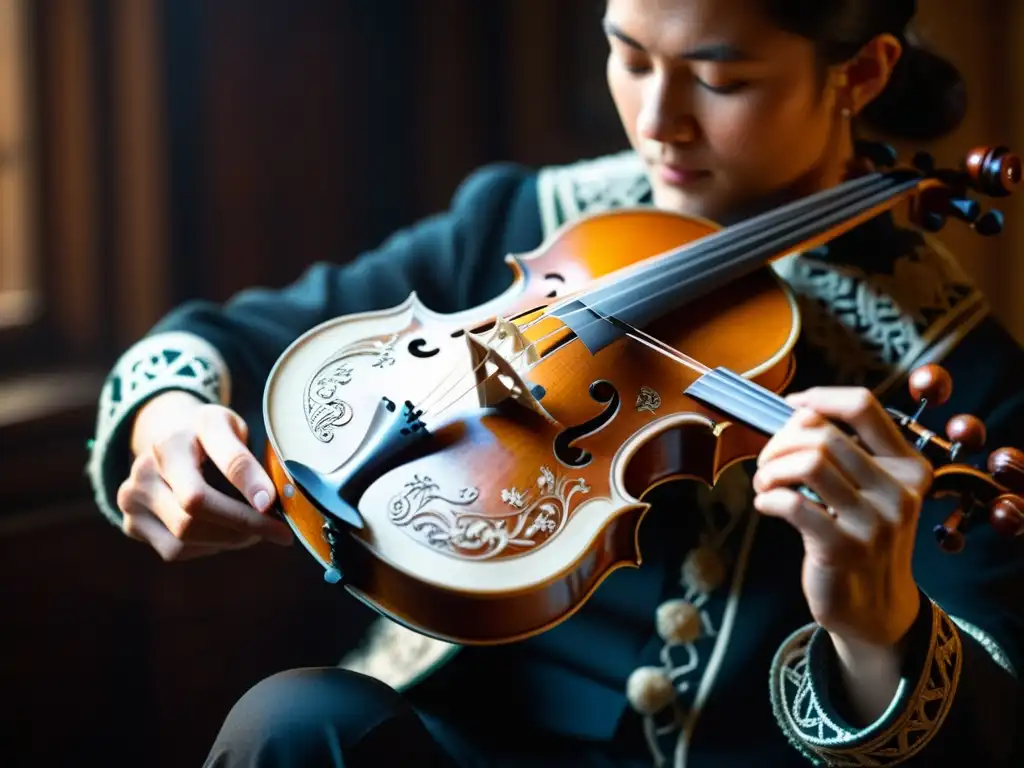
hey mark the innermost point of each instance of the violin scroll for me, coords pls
(995, 491)
(990, 171)
(993, 171)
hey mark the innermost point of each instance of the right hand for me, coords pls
(168, 503)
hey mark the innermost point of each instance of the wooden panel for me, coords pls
(72, 266)
(281, 131)
(18, 278)
(141, 266)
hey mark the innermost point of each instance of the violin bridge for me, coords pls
(500, 362)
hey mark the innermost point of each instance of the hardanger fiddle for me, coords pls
(476, 476)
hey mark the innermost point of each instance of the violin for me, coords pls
(475, 476)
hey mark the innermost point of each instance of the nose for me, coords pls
(666, 114)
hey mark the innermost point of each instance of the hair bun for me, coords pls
(926, 98)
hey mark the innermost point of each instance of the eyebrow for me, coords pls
(720, 52)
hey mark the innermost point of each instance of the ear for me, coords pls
(867, 74)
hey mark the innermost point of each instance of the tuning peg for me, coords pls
(989, 224)
(930, 385)
(1007, 467)
(948, 534)
(964, 209)
(1006, 515)
(966, 433)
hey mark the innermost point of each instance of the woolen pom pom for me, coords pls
(649, 690)
(704, 570)
(678, 622)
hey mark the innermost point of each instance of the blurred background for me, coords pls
(153, 151)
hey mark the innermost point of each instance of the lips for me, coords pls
(681, 176)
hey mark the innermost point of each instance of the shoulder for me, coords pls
(567, 192)
(563, 192)
(514, 207)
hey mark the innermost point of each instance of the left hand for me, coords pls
(857, 575)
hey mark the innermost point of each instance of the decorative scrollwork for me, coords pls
(323, 405)
(387, 354)
(325, 410)
(435, 519)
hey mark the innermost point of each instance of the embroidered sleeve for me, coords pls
(158, 363)
(947, 660)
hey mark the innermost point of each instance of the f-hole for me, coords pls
(554, 276)
(603, 392)
(417, 349)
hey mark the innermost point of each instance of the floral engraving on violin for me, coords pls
(325, 409)
(387, 354)
(648, 400)
(437, 520)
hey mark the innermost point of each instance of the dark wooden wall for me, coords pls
(312, 129)
(191, 148)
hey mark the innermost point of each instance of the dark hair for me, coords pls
(926, 95)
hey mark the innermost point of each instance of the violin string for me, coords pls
(636, 334)
(710, 248)
(874, 199)
(807, 209)
(672, 282)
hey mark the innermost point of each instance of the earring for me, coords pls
(846, 113)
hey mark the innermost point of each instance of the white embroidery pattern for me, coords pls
(870, 328)
(911, 722)
(163, 361)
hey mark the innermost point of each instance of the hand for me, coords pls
(167, 502)
(857, 574)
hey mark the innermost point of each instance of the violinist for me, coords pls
(763, 629)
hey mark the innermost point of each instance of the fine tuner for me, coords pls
(997, 492)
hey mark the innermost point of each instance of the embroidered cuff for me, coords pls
(799, 690)
(158, 363)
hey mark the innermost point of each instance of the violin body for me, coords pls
(519, 505)
(476, 476)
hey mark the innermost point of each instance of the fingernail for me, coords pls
(261, 501)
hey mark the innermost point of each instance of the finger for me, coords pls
(809, 431)
(222, 435)
(858, 408)
(189, 529)
(142, 525)
(813, 522)
(815, 471)
(180, 467)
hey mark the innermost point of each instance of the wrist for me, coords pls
(160, 415)
(869, 671)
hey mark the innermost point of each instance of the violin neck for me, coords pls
(741, 399)
(698, 268)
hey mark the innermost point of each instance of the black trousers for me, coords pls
(333, 718)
